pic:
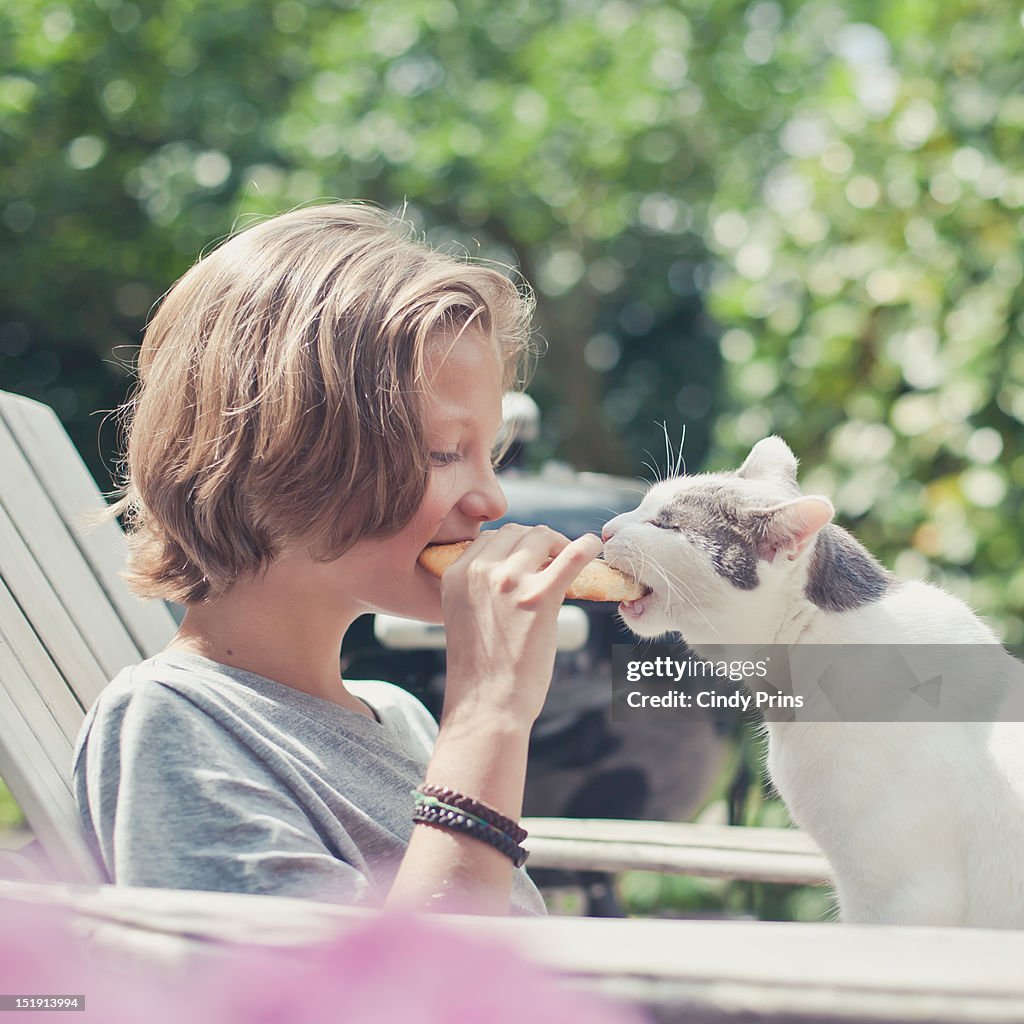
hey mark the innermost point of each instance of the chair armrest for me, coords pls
(686, 848)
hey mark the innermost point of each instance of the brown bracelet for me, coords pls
(466, 803)
(443, 816)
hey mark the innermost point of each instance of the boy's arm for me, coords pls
(444, 870)
(500, 614)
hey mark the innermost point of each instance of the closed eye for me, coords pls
(662, 524)
(445, 458)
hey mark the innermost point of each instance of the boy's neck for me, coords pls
(260, 627)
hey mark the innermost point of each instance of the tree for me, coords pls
(138, 140)
(874, 286)
(838, 184)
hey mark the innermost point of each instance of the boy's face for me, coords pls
(462, 420)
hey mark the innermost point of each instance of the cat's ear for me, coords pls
(769, 459)
(788, 529)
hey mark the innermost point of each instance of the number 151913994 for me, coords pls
(39, 1002)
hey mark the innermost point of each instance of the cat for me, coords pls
(922, 822)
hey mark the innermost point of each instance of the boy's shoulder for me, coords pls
(151, 691)
(147, 684)
(193, 694)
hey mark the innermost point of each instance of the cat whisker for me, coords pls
(613, 512)
(689, 599)
(674, 461)
(680, 461)
(668, 447)
(682, 591)
(630, 569)
(657, 478)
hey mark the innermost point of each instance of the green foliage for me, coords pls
(568, 139)
(647, 894)
(10, 813)
(873, 291)
(841, 184)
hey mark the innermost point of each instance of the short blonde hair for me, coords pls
(280, 393)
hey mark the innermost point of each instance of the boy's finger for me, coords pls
(526, 548)
(570, 561)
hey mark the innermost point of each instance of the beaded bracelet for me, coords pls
(431, 811)
(465, 803)
(451, 818)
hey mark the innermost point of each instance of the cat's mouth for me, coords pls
(635, 608)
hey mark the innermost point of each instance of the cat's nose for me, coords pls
(609, 529)
(612, 527)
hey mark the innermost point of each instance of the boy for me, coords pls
(319, 399)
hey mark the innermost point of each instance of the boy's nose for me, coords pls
(497, 503)
(487, 501)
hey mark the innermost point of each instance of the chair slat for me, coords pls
(693, 834)
(42, 607)
(72, 491)
(46, 536)
(49, 617)
(30, 749)
(41, 683)
(679, 859)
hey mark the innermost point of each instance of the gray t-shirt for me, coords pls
(193, 775)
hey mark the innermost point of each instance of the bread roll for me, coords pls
(597, 582)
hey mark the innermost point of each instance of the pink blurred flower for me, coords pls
(390, 968)
(403, 969)
(42, 954)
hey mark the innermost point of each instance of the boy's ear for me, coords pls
(790, 528)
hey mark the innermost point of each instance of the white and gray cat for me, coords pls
(923, 823)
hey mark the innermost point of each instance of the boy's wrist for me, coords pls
(484, 758)
(476, 715)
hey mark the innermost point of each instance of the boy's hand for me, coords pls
(500, 602)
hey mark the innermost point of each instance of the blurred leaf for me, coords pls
(839, 185)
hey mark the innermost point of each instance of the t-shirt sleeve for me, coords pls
(172, 799)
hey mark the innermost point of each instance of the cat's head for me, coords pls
(719, 551)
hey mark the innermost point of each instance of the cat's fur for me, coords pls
(923, 823)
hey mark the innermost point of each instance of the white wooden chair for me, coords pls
(68, 624)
